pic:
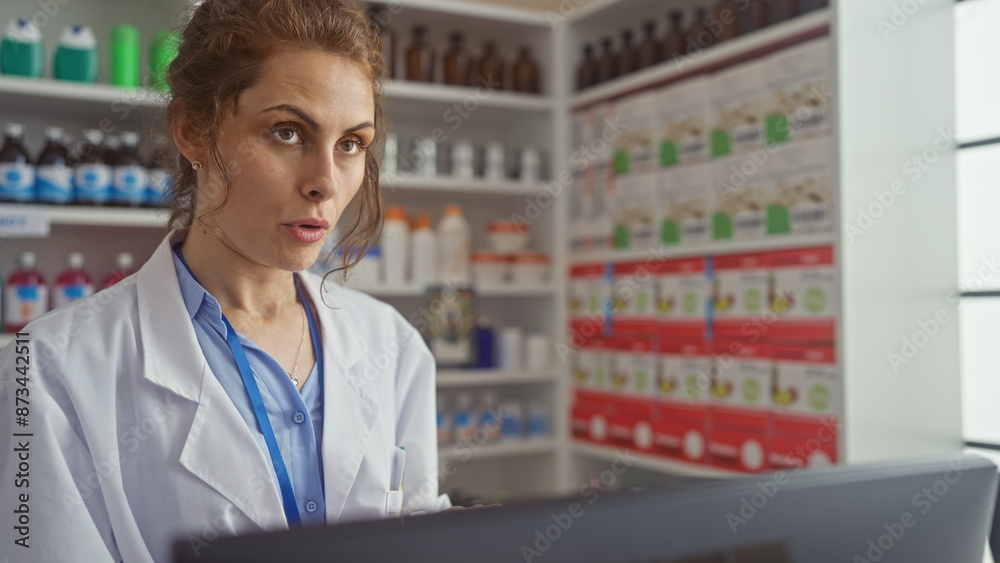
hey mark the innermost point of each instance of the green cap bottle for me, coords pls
(125, 56)
(76, 56)
(162, 51)
(21, 51)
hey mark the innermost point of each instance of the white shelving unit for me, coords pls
(500, 450)
(912, 246)
(609, 454)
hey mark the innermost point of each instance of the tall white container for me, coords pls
(395, 246)
(455, 246)
(425, 261)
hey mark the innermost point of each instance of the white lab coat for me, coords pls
(135, 443)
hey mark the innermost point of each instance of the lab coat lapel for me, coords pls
(349, 409)
(219, 448)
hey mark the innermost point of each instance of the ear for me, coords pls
(190, 143)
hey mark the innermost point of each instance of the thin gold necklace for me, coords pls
(295, 366)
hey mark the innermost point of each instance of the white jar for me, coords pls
(507, 236)
(462, 158)
(395, 245)
(494, 169)
(490, 268)
(454, 246)
(530, 268)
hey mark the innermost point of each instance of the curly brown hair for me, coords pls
(222, 49)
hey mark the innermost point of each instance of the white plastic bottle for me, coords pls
(455, 247)
(395, 246)
(73, 283)
(424, 253)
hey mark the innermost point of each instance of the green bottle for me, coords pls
(125, 56)
(162, 51)
(76, 56)
(22, 52)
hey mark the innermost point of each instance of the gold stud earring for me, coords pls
(196, 164)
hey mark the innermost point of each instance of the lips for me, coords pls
(308, 230)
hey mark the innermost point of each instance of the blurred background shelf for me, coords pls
(662, 252)
(655, 463)
(488, 377)
(463, 452)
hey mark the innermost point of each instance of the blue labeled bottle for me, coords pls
(22, 52)
(54, 177)
(131, 179)
(92, 178)
(17, 173)
(76, 56)
(160, 180)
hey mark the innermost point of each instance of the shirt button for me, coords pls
(299, 418)
(311, 506)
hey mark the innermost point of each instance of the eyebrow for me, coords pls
(312, 122)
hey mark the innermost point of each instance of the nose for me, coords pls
(322, 177)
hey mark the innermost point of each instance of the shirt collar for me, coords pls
(196, 298)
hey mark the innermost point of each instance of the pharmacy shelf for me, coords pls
(476, 378)
(47, 96)
(448, 94)
(480, 10)
(652, 462)
(781, 242)
(476, 186)
(97, 216)
(463, 452)
(747, 47)
(414, 291)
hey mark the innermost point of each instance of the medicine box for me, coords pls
(635, 216)
(741, 379)
(683, 292)
(739, 196)
(685, 113)
(636, 144)
(684, 204)
(634, 292)
(804, 297)
(738, 98)
(801, 188)
(742, 288)
(799, 95)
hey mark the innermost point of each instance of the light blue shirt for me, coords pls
(297, 418)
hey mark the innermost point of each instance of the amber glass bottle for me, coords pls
(490, 67)
(526, 74)
(650, 50)
(781, 10)
(607, 64)
(457, 62)
(675, 43)
(420, 57)
(628, 58)
(753, 17)
(700, 35)
(586, 74)
(727, 18)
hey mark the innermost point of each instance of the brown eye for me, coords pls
(286, 135)
(351, 146)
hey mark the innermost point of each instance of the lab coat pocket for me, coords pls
(393, 503)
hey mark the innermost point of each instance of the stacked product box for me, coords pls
(589, 414)
(684, 202)
(738, 96)
(683, 299)
(635, 211)
(741, 380)
(742, 288)
(804, 296)
(633, 392)
(683, 384)
(636, 145)
(806, 404)
(634, 296)
(798, 106)
(589, 291)
(684, 118)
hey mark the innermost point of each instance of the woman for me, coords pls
(221, 389)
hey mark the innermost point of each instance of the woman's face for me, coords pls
(295, 152)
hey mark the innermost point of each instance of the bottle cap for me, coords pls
(112, 142)
(26, 260)
(130, 138)
(14, 130)
(54, 134)
(123, 260)
(423, 221)
(453, 210)
(75, 260)
(395, 213)
(93, 136)
(21, 30)
(125, 34)
(78, 37)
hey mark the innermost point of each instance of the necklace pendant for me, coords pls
(295, 382)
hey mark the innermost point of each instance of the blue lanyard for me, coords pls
(284, 480)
